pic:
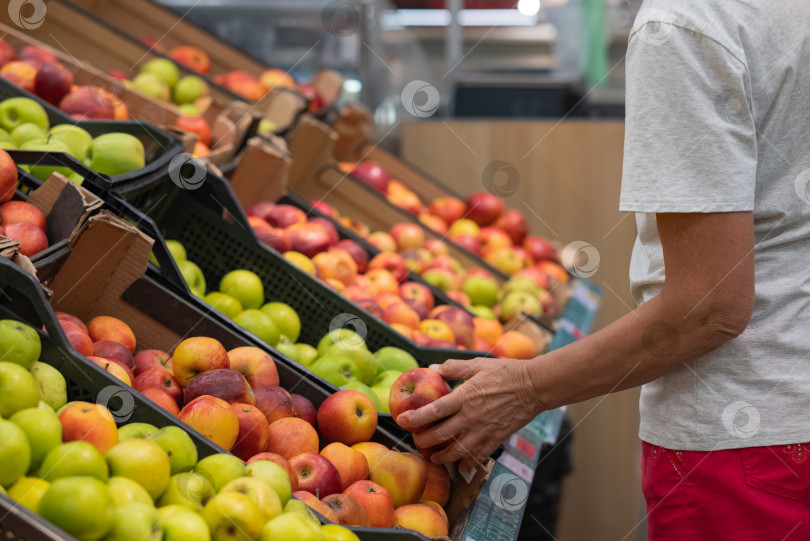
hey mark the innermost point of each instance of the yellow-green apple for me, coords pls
(316, 474)
(366, 390)
(285, 318)
(259, 492)
(383, 241)
(375, 500)
(189, 89)
(381, 393)
(348, 510)
(347, 417)
(437, 487)
(24, 133)
(116, 154)
(224, 303)
(254, 431)
(308, 238)
(301, 261)
(521, 283)
(164, 69)
(162, 399)
(461, 324)
(19, 343)
(437, 330)
(372, 174)
(142, 461)
(336, 369)
(159, 378)
(75, 458)
(232, 516)
(257, 322)
(193, 276)
(135, 430)
(370, 449)
(403, 475)
(190, 489)
(290, 437)
(118, 371)
(443, 279)
(315, 504)
(245, 286)
(18, 388)
(152, 85)
(306, 354)
(274, 77)
(28, 492)
(393, 358)
(275, 475)
(224, 383)
(506, 260)
(220, 469)
(303, 409)
(421, 518)
(514, 223)
(16, 111)
(213, 418)
(291, 527)
(178, 445)
(336, 532)
(414, 389)
(514, 345)
(180, 524)
(481, 291)
(89, 422)
(15, 453)
(124, 491)
(392, 262)
(149, 359)
(519, 302)
(135, 522)
(79, 505)
(42, 429)
(274, 402)
(350, 463)
(191, 57)
(195, 355)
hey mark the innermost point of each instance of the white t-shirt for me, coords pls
(718, 120)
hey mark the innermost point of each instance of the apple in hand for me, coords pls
(348, 510)
(375, 500)
(414, 389)
(213, 418)
(347, 417)
(316, 475)
(195, 355)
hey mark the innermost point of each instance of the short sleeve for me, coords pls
(690, 139)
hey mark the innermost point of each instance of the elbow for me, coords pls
(724, 321)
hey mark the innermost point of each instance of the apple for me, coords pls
(27, 132)
(89, 422)
(405, 200)
(357, 253)
(17, 111)
(316, 474)
(290, 437)
(308, 238)
(301, 261)
(312, 502)
(520, 302)
(375, 500)
(336, 369)
(382, 241)
(31, 238)
(224, 303)
(28, 492)
(403, 475)
(50, 383)
(52, 83)
(407, 235)
(213, 418)
(8, 173)
(303, 409)
(449, 209)
(506, 260)
(64, 317)
(347, 417)
(245, 286)
(7, 53)
(88, 103)
(191, 57)
(416, 388)
(135, 430)
(71, 459)
(254, 431)
(163, 69)
(291, 527)
(274, 77)
(15, 453)
(232, 516)
(21, 74)
(20, 211)
(178, 445)
(539, 248)
(337, 265)
(261, 210)
(392, 262)
(255, 365)
(522, 283)
(159, 378)
(113, 329)
(124, 491)
(440, 278)
(421, 518)
(372, 174)
(483, 207)
(143, 461)
(514, 345)
(38, 56)
(260, 493)
(114, 351)
(274, 402)
(243, 84)
(182, 525)
(461, 324)
(401, 313)
(189, 489)
(19, 344)
(347, 509)
(284, 216)
(514, 223)
(43, 431)
(135, 522)
(314, 96)
(189, 89)
(224, 383)
(195, 355)
(435, 329)
(275, 475)
(220, 469)
(116, 154)
(149, 359)
(116, 370)
(162, 399)
(350, 463)
(79, 505)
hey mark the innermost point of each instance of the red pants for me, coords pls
(753, 494)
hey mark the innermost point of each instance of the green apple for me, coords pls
(244, 286)
(260, 324)
(28, 492)
(521, 283)
(135, 522)
(189, 489)
(164, 69)
(16, 111)
(387, 378)
(77, 139)
(347, 337)
(481, 290)
(285, 318)
(124, 491)
(19, 343)
(482, 311)
(287, 348)
(259, 492)
(391, 358)
(9, 145)
(232, 516)
(224, 303)
(337, 369)
(142, 461)
(116, 153)
(274, 475)
(5, 137)
(179, 447)
(182, 524)
(383, 392)
(520, 302)
(51, 384)
(187, 90)
(193, 276)
(15, 453)
(298, 507)
(265, 126)
(44, 406)
(43, 430)
(336, 532)
(291, 527)
(177, 250)
(18, 388)
(306, 354)
(135, 430)
(44, 172)
(74, 458)
(28, 132)
(189, 109)
(366, 390)
(362, 357)
(152, 85)
(79, 505)
(220, 469)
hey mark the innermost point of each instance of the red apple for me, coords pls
(402, 314)
(7, 53)
(38, 56)
(325, 208)
(437, 487)
(330, 229)
(347, 417)
(292, 436)
(70, 318)
(407, 235)
(115, 352)
(483, 207)
(152, 358)
(213, 418)
(414, 389)
(468, 242)
(347, 509)
(162, 399)
(435, 223)
(284, 216)
(492, 238)
(195, 124)
(358, 253)
(375, 500)
(449, 209)
(539, 248)
(403, 475)
(303, 409)
(195, 355)
(258, 368)
(274, 402)
(372, 174)
(419, 295)
(260, 209)
(350, 463)
(191, 57)
(383, 241)
(392, 262)
(121, 372)
(315, 504)
(20, 211)
(224, 383)
(514, 223)
(316, 475)
(80, 341)
(52, 83)
(19, 73)
(308, 239)
(460, 323)
(436, 247)
(275, 238)
(254, 432)
(161, 379)
(88, 103)
(316, 102)
(31, 238)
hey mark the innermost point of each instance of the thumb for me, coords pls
(458, 369)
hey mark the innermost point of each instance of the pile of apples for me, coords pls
(19, 220)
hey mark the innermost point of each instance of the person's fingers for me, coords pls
(461, 447)
(459, 369)
(435, 411)
(442, 432)
(479, 455)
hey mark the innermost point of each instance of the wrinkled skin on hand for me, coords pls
(496, 400)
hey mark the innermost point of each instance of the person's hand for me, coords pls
(496, 400)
